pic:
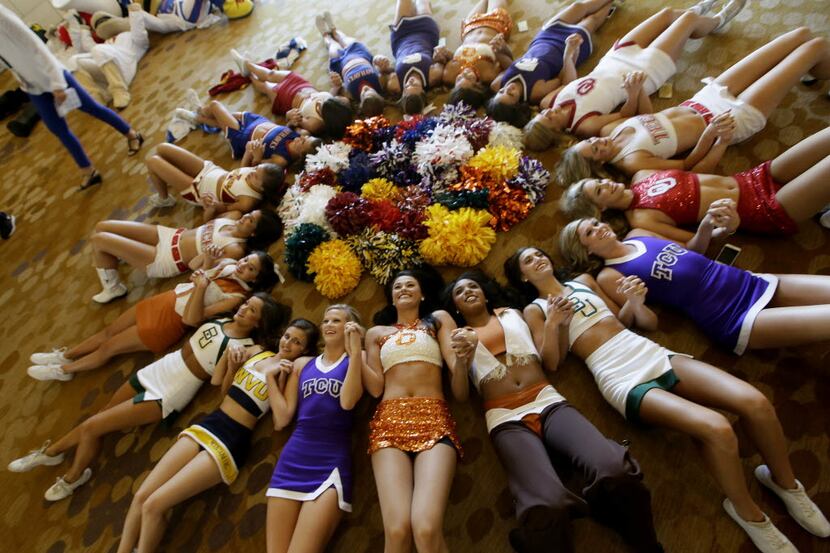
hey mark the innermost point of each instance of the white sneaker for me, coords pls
(62, 489)
(114, 292)
(799, 505)
(766, 537)
(157, 201)
(703, 7)
(187, 115)
(728, 13)
(240, 60)
(36, 458)
(49, 372)
(321, 25)
(329, 21)
(54, 357)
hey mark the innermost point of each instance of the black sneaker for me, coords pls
(7, 225)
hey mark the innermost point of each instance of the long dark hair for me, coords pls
(431, 284)
(312, 335)
(268, 230)
(517, 114)
(267, 276)
(524, 290)
(473, 97)
(271, 321)
(494, 293)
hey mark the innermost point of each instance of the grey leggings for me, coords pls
(612, 488)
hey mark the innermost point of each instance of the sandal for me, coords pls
(93, 179)
(131, 151)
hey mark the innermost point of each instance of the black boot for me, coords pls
(11, 101)
(23, 124)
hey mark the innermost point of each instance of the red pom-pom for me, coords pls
(411, 225)
(324, 176)
(348, 213)
(384, 215)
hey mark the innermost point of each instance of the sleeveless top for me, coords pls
(408, 344)
(236, 184)
(276, 142)
(250, 388)
(597, 93)
(359, 76)
(653, 133)
(223, 285)
(468, 54)
(412, 46)
(520, 349)
(676, 193)
(589, 309)
(541, 62)
(318, 402)
(717, 297)
(209, 233)
(210, 341)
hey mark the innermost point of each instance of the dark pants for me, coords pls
(612, 488)
(45, 105)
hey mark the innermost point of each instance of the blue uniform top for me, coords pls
(413, 40)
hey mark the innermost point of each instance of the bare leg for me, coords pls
(124, 321)
(423, 7)
(769, 91)
(263, 87)
(126, 341)
(216, 114)
(197, 476)
(281, 520)
(71, 438)
(496, 4)
(405, 8)
(119, 417)
(434, 470)
(265, 74)
(803, 196)
(798, 159)
(688, 25)
(317, 521)
(334, 47)
(184, 160)
(799, 313)
(588, 13)
(108, 248)
(394, 477)
(478, 8)
(712, 387)
(342, 39)
(179, 455)
(173, 166)
(713, 434)
(755, 65)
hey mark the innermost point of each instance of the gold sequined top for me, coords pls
(407, 344)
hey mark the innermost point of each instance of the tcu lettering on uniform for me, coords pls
(207, 336)
(661, 187)
(661, 269)
(322, 386)
(586, 86)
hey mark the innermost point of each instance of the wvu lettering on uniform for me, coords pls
(661, 269)
(246, 380)
(322, 386)
(207, 336)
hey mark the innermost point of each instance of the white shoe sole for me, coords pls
(65, 377)
(106, 296)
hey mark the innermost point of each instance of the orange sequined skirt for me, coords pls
(412, 424)
(497, 19)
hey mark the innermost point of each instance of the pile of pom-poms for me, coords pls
(389, 196)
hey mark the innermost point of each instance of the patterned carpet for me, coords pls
(47, 282)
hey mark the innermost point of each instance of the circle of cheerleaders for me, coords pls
(431, 189)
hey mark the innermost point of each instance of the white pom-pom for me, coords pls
(504, 134)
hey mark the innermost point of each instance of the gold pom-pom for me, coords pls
(380, 189)
(498, 162)
(335, 267)
(462, 237)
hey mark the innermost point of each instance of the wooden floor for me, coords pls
(46, 282)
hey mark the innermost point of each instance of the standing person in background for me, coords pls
(49, 85)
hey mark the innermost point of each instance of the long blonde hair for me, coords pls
(573, 167)
(538, 137)
(575, 254)
(575, 203)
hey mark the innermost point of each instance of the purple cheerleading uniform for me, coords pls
(359, 75)
(317, 456)
(276, 140)
(721, 299)
(413, 40)
(543, 59)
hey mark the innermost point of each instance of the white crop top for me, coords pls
(653, 133)
(236, 184)
(589, 309)
(210, 341)
(518, 342)
(409, 344)
(250, 389)
(223, 285)
(209, 233)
